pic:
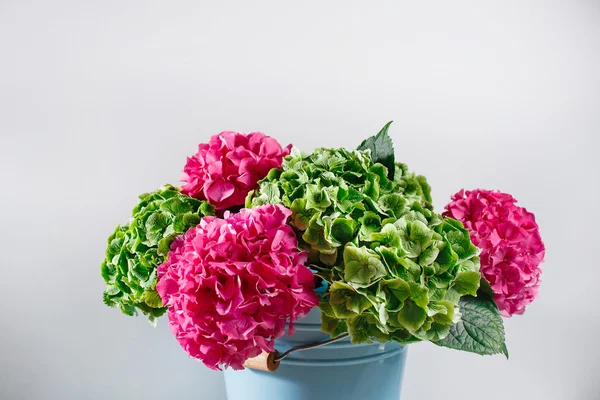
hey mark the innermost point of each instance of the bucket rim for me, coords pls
(307, 362)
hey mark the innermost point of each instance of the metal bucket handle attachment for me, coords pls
(269, 362)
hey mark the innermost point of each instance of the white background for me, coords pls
(103, 100)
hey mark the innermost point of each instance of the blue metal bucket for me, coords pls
(338, 370)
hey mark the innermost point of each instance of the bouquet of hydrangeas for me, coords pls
(259, 234)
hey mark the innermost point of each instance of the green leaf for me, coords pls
(505, 350)
(382, 149)
(485, 290)
(480, 329)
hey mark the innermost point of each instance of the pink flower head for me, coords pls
(231, 285)
(229, 166)
(512, 248)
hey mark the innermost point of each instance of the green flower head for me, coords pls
(338, 196)
(136, 249)
(396, 270)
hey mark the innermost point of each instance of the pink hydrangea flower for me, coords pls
(512, 248)
(231, 285)
(229, 166)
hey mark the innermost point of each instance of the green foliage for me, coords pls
(136, 249)
(382, 149)
(480, 329)
(396, 270)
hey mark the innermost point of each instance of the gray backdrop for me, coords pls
(103, 100)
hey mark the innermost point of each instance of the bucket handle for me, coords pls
(270, 361)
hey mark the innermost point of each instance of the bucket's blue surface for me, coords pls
(336, 371)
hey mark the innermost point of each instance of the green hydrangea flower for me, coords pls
(136, 249)
(396, 270)
(337, 195)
